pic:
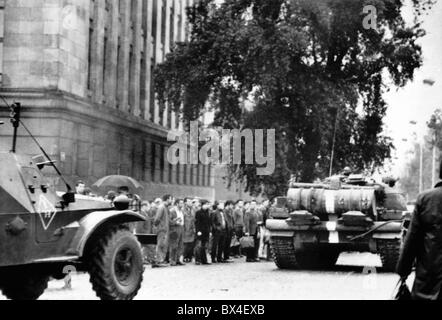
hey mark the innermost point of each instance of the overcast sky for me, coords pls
(417, 101)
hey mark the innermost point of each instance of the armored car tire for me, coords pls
(24, 285)
(115, 265)
(389, 250)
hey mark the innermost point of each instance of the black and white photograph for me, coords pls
(220, 151)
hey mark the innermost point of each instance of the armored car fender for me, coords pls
(93, 223)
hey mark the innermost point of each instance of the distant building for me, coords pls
(83, 73)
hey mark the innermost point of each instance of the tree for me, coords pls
(306, 67)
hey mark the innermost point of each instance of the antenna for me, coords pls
(16, 121)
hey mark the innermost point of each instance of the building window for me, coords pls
(162, 164)
(178, 173)
(131, 79)
(90, 78)
(172, 26)
(170, 172)
(154, 19)
(152, 103)
(143, 62)
(203, 182)
(163, 22)
(89, 58)
(119, 54)
(105, 59)
(209, 176)
(169, 117)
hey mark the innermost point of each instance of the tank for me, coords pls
(49, 233)
(315, 223)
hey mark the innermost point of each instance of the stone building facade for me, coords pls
(82, 70)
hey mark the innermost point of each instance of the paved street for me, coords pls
(241, 281)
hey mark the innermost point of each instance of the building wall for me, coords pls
(82, 70)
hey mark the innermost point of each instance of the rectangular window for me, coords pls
(170, 172)
(154, 19)
(162, 164)
(169, 117)
(90, 79)
(152, 92)
(163, 22)
(209, 176)
(153, 166)
(131, 78)
(134, 12)
(172, 26)
(119, 53)
(105, 59)
(143, 62)
(185, 168)
(178, 173)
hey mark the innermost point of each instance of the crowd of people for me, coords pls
(192, 230)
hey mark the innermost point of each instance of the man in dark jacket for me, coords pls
(423, 244)
(202, 229)
(230, 223)
(219, 232)
(251, 228)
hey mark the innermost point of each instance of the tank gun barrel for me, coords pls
(328, 187)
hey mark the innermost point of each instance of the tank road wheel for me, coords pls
(389, 250)
(25, 285)
(116, 265)
(283, 252)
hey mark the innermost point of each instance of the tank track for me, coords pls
(283, 252)
(389, 250)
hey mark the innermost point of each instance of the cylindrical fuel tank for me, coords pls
(321, 201)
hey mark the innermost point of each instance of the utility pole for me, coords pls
(431, 82)
(421, 161)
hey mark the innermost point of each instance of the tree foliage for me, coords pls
(306, 66)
